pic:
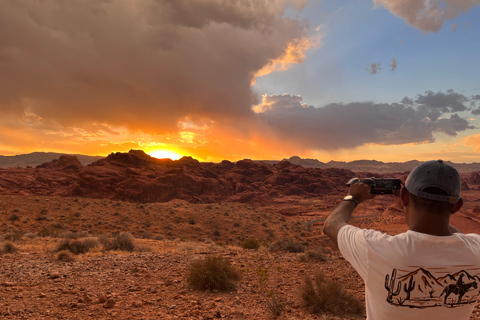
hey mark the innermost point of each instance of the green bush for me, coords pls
(77, 246)
(250, 243)
(212, 273)
(329, 296)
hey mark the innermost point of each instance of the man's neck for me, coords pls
(433, 224)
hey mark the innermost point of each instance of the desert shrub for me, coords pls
(13, 217)
(328, 296)
(65, 256)
(76, 246)
(178, 219)
(212, 273)
(317, 255)
(70, 235)
(8, 247)
(158, 237)
(288, 245)
(122, 242)
(31, 235)
(13, 235)
(250, 243)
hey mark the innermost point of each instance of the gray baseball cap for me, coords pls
(434, 174)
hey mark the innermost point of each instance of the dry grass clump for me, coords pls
(8, 247)
(328, 296)
(76, 246)
(250, 243)
(318, 255)
(212, 273)
(65, 256)
(287, 245)
(13, 236)
(122, 242)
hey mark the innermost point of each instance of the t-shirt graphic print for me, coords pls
(421, 288)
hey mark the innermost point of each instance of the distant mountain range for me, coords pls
(370, 165)
(37, 158)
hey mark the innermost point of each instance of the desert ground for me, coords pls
(59, 222)
(150, 282)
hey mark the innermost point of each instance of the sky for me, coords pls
(385, 80)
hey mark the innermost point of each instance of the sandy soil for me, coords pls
(150, 282)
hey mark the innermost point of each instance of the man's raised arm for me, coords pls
(358, 193)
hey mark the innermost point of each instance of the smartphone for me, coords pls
(385, 186)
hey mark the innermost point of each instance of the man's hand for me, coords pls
(360, 191)
(342, 213)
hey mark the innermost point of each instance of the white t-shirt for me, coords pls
(414, 275)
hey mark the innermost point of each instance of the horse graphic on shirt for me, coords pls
(459, 289)
(417, 288)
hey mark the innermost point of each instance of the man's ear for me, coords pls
(404, 196)
(457, 206)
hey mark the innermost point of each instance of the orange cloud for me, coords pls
(473, 141)
(294, 53)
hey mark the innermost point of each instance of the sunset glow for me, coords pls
(164, 154)
(385, 80)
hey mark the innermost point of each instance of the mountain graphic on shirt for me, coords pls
(420, 288)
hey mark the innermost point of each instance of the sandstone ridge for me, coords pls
(138, 177)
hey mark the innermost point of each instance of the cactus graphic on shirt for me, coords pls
(421, 288)
(391, 286)
(411, 286)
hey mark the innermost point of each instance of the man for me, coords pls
(429, 272)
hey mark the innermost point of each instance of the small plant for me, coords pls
(13, 235)
(250, 243)
(274, 303)
(8, 247)
(328, 296)
(212, 273)
(288, 245)
(76, 246)
(65, 256)
(178, 219)
(122, 242)
(317, 255)
(13, 217)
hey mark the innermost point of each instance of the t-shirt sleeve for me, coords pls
(354, 248)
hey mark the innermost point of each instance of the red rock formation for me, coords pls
(135, 176)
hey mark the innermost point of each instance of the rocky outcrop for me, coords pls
(136, 176)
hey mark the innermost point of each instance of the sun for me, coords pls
(163, 154)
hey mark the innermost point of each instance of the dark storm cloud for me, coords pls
(338, 126)
(141, 64)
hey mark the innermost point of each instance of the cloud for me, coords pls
(427, 15)
(393, 65)
(454, 26)
(145, 65)
(341, 126)
(373, 68)
(443, 102)
(473, 141)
